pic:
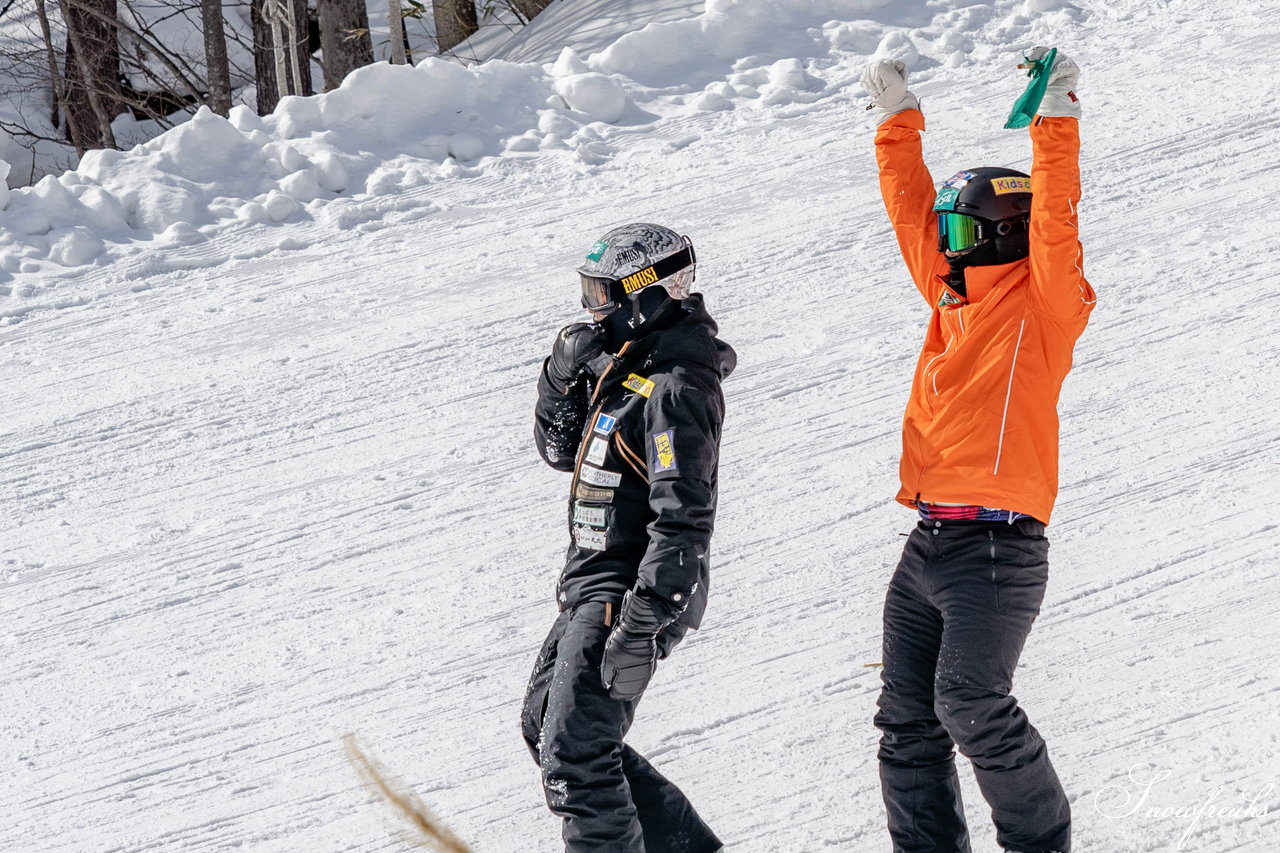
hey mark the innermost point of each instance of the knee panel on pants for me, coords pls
(987, 727)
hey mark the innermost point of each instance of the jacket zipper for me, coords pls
(590, 425)
(933, 378)
(933, 383)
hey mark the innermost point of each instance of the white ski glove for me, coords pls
(886, 81)
(1060, 97)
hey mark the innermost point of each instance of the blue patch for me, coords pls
(605, 423)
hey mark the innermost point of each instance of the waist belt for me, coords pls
(968, 512)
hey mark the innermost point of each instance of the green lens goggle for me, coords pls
(958, 232)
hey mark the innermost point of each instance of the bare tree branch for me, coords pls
(184, 73)
(429, 832)
(17, 130)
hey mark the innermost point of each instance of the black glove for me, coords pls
(631, 652)
(575, 346)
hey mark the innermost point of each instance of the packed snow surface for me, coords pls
(269, 478)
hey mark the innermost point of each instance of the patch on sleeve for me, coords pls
(642, 386)
(664, 452)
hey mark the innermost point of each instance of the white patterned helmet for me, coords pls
(632, 258)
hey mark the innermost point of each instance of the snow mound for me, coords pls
(308, 151)
(695, 51)
(599, 96)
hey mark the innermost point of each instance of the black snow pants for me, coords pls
(612, 799)
(959, 608)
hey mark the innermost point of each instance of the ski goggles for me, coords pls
(958, 232)
(602, 295)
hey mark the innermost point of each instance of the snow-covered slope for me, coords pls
(269, 482)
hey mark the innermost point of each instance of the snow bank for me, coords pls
(271, 168)
(388, 128)
(698, 50)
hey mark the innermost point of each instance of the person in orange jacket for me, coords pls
(996, 255)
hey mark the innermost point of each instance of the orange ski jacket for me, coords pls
(981, 425)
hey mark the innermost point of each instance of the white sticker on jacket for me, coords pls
(589, 538)
(599, 447)
(599, 477)
(592, 516)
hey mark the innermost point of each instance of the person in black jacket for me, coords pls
(631, 404)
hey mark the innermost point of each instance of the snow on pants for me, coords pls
(958, 610)
(610, 797)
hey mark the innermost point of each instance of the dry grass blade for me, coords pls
(428, 831)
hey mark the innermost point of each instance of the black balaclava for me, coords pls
(617, 328)
(1002, 249)
(637, 317)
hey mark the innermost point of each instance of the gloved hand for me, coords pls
(576, 345)
(1060, 97)
(631, 652)
(886, 81)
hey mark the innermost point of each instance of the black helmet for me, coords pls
(985, 205)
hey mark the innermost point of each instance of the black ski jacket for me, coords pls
(643, 443)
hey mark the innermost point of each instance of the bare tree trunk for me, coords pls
(297, 46)
(281, 56)
(344, 38)
(395, 21)
(215, 55)
(281, 30)
(55, 78)
(264, 63)
(92, 72)
(456, 21)
(529, 9)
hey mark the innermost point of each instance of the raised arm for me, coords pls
(560, 414)
(905, 182)
(559, 417)
(1057, 258)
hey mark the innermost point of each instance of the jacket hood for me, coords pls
(689, 336)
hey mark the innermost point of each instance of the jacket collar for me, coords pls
(688, 335)
(979, 281)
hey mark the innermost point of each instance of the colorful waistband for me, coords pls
(932, 512)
